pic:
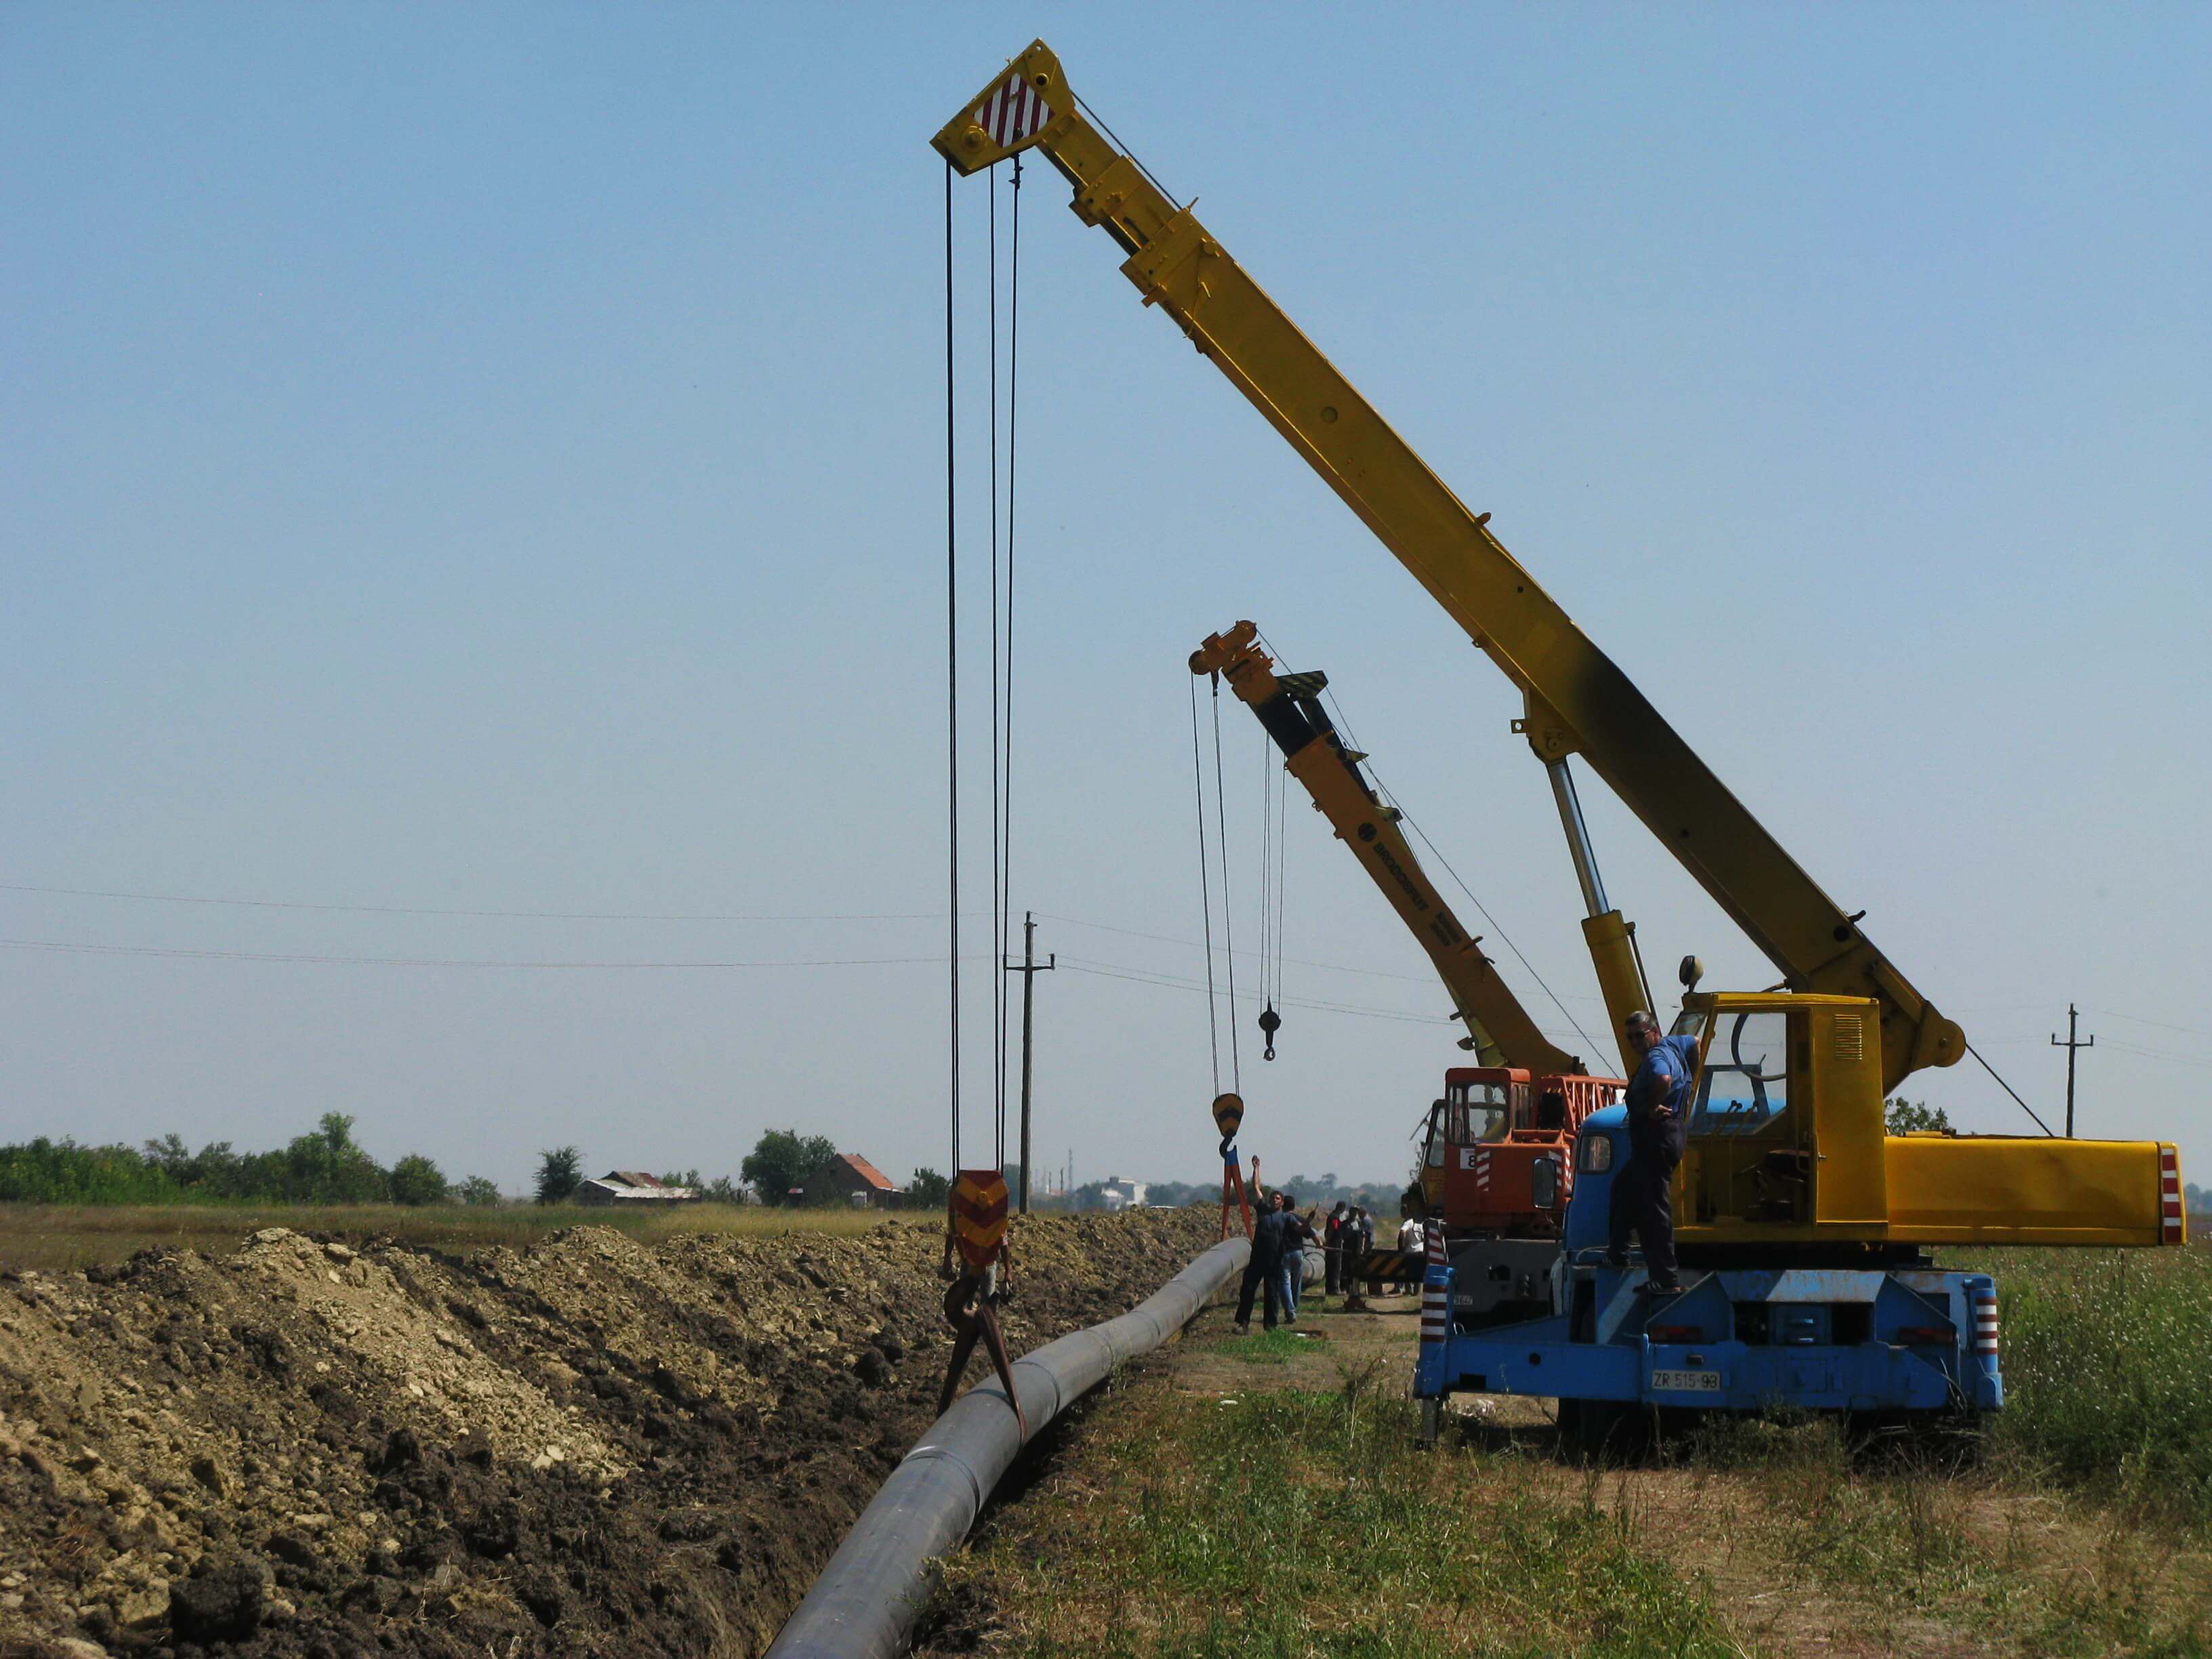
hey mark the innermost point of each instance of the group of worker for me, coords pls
(1275, 1274)
(1658, 1103)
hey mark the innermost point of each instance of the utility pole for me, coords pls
(1029, 969)
(2072, 1046)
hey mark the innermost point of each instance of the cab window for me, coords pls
(1593, 1154)
(1432, 1154)
(1745, 1079)
(1479, 1111)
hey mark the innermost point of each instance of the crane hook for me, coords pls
(1270, 1022)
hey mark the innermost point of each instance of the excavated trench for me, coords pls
(334, 1448)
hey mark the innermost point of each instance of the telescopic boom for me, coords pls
(1577, 700)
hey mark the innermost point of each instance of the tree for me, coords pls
(560, 1172)
(691, 1178)
(1906, 1117)
(928, 1189)
(781, 1158)
(480, 1191)
(723, 1190)
(417, 1180)
(326, 1167)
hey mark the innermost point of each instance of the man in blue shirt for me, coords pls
(1658, 1128)
(1263, 1269)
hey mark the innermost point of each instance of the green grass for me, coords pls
(1274, 1347)
(2108, 1372)
(56, 1238)
(1300, 1523)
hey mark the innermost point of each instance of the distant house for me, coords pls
(1120, 1194)
(632, 1186)
(850, 1179)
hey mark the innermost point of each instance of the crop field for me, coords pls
(61, 1238)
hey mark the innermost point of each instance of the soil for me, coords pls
(337, 1448)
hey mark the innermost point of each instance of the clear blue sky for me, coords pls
(489, 458)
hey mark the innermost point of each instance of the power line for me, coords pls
(2163, 1025)
(1114, 970)
(1193, 945)
(510, 915)
(329, 907)
(73, 948)
(333, 908)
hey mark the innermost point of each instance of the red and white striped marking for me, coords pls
(1435, 1299)
(1013, 112)
(1482, 1170)
(1565, 1160)
(2169, 1196)
(1986, 1322)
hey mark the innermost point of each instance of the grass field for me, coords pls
(1281, 1523)
(56, 1238)
(1264, 1495)
(2107, 1359)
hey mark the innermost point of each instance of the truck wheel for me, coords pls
(1953, 1441)
(1593, 1431)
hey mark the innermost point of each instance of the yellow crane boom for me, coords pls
(1576, 699)
(1499, 1028)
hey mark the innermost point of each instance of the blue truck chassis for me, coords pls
(1913, 1341)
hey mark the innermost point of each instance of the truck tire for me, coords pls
(1595, 1432)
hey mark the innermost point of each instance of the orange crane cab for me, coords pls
(1498, 1159)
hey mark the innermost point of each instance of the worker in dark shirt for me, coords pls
(1658, 1105)
(1297, 1233)
(1263, 1270)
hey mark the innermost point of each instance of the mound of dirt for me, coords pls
(331, 1448)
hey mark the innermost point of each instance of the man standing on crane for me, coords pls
(1658, 1103)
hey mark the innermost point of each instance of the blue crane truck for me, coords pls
(1897, 1339)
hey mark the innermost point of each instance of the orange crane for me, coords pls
(1497, 1152)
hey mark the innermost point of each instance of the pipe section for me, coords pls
(865, 1602)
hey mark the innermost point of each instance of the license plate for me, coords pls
(1687, 1382)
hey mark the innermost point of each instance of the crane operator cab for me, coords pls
(1494, 1156)
(1496, 1174)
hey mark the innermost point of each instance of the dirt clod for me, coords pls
(221, 1602)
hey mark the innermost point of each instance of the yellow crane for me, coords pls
(1796, 1150)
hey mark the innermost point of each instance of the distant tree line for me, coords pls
(324, 1167)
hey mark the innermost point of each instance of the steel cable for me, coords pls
(952, 676)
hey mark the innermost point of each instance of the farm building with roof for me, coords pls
(632, 1186)
(848, 1178)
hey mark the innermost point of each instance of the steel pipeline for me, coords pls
(865, 1602)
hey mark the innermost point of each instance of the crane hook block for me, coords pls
(1270, 1022)
(1228, 1114)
